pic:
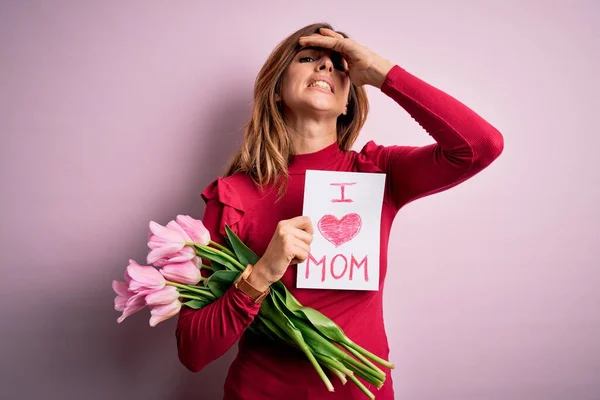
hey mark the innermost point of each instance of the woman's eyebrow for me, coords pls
(311, 48)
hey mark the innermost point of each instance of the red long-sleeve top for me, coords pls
(465, 144)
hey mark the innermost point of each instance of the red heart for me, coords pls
(339, 231)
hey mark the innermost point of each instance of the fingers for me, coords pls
(332, 33)
(302, 222)
(303, 236)
(296, 235)
(301, 251)
(327, 42)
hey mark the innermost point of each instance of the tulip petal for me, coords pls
(120, 303)
(134, 304)
(177, 228)
(166, 295)
(163, 252)
(144, 277)
(185, 254)
(121, 288)
(187, 273)
(194, 228)
(161, 313)
(169, 235)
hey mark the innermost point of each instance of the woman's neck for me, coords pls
(311, 135)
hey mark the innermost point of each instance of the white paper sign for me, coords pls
(345, 209)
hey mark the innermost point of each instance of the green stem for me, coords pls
(369, 377)
(196, 289)
(189, 296)
(315, 340)
(336, 367)
(370, 355)
(363, 359)
(206, 267)
(315, 364)
(339, 374)
(363, 370)
(362, 387)
(223, 248)
(281, 328)
(230, 258)
(333, 363)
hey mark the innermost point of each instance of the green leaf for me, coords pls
(274, 313)
(273, 329)
(220, 281)
(327, 327)
(196, 304)
(323, 346)
(217, 266)
(213, 256)
(244, 255)
(322, 343)
(324, 325)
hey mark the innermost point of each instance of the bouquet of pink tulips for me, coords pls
(177, 251)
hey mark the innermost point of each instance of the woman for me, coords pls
(310, 105)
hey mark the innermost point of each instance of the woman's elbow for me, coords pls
(192, 364)
(490, 148)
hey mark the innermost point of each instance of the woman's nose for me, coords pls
(326, 64)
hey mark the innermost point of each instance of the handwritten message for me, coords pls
(345, 208)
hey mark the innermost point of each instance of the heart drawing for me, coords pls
(339, 231)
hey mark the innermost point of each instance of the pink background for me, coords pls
(115, 113)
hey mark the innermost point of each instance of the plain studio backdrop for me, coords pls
(115, 113)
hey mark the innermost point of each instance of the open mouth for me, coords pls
(321, 85)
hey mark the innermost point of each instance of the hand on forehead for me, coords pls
(325, 39)
(324, 49)
(334, 55)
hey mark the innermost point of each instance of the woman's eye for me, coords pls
(337, 64)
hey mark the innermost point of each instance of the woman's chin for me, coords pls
(315, 106)
(318, 105)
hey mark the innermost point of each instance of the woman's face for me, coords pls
(316, 81)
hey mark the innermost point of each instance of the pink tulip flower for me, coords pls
(165, 241)
(187, 272)
(183, 255)
(163, 312)
(123, 294)
(134, 304)
(166, 295)
(143, 278)
(194, 228)
(127, 301)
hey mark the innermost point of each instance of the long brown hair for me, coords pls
(267, 147)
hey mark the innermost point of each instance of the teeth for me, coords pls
(321, 84)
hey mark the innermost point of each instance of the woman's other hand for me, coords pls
(290, 244)
(365, 67)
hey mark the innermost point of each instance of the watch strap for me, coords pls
(244, 286)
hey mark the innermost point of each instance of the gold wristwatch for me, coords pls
(242, 284)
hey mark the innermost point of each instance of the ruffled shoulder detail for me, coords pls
(233, 208)
(367, 159)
